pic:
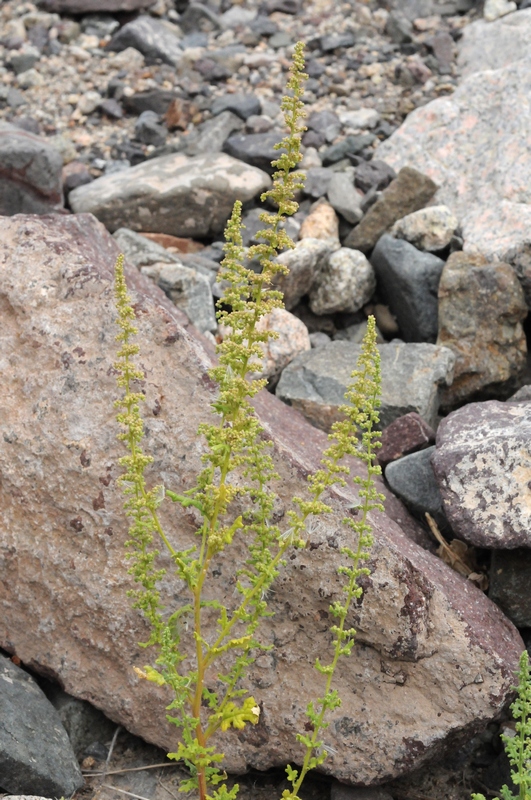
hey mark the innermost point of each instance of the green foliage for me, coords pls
(518, 748)
(237, 473)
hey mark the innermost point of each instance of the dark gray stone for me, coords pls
(157, 100)
(148, 130)
(151, 37)
(211, 70)
(334, 40)
(351, 145)
(86, 726)
(373, 174)
(317, 181)
(509, 582)
(36, 756)
(30, 173)
(111, 108)
(324, 122)
(483, 468)
(408, 280)
(399, 28)
(263, 26)
(256, 149)
(214, 133)
(341, 792)
(411, 478)
(199, 17)
(244, 105)
(315, 382)
(25, 59)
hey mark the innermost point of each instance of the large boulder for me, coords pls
(172, 194)
(483, 466)
(435, 658)
(474, 146)
(492, 45)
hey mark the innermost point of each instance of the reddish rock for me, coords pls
(434, 658)
(405, 435)
(175, 243)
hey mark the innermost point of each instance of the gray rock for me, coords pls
(406, 435)
(408, 192)
(173, 194)
(333, 41)
(190, 291)
(214, 133)
(412, 479)
(325, 122)
(244, 105)
(429, 228)
(351, 145)
(237, 17)
(151, 37)
(408, 280)
(355, 333)
(412, 374)
(256, 149)
(493, 9)
(157, 100)
(374, 174)
(35, 753)
(494, 45)
(199, 17)
(140, 251)
(523, 395)
(399, 28)
(84, 724)
(509, 581)
(30, 173)
(317, 181)
(485, 175)
(443, 47)
(481, 311)
(148, 130)
(319, 339)
(343, 197)
(483, 468)
(24, 59)
(304, 262)
(345, 283)
(94, 6)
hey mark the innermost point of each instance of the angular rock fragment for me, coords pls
(35, 753)
(428, 229)
(481, 310)
(151, 37)
(412, 374)
(483, 467)
(255, 148)
(432, 650)
(304, 263)
(95, 6)
(408, 192)
(345, 283)
(343, 197)
(172, 194)
(408, 280)
(30, 173)
(190, 291)
(405, 435)
(509, 581)
(411, 478)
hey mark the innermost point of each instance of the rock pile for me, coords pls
(146, 119)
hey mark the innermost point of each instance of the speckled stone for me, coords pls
(483, 468)
(496, 44)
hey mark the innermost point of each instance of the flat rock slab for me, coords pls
(151, 37)
(412, 374)
(483, 467)
(173, 194)
(35, 752)
(492, 45)
(433, 653)
(30, 173)
(474, 145)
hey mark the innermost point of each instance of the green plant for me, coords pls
(237, 476)
(518, 747)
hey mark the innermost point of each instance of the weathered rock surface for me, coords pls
(509, 580)
(346, 283)
(151, 37)
(412, 375)
(483, 467)
(405, 435)
(30, 173)
(305, 263)
(35, 753)
(432, 650)
(429, 228)
(292, 339)
(172, 194)
(494, 45)
(473, 144)
(408, 192)
(481, 310)
(409, 280)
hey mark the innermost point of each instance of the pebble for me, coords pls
(346, 283)
(428, 229)
(321, 223)
(344, 197)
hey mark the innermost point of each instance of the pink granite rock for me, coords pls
(434, 658)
